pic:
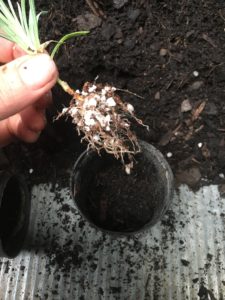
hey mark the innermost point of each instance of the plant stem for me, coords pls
(65, 86)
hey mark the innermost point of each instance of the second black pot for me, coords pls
(14, 213)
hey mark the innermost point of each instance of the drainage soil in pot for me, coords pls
(120, 202)
(116, 202)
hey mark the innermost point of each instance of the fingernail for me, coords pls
(37, 71)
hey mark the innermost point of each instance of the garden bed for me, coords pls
(171, 54)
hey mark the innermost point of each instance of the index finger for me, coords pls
(6, 51)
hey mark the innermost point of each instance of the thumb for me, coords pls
(23, 81)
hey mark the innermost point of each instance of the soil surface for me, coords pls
(171, 53)
(128, 209)
(116, 201)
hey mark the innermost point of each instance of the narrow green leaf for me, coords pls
(11, 23)
(3, 18)
(23, 25)
(24, 15)
(65, 38)
(34, 24)
(5, 11)
(22, 21)
(8, 35)
(31, 31)
(6, 38)
(44, 12)
(20, 14)
(10, 14)
(12, 11)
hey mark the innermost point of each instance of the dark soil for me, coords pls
(169, 52)
(154, 49)
(118, 202)
(121, 203)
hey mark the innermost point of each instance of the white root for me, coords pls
(103, 118)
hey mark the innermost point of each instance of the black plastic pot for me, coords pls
(157, 173)
(14, 213)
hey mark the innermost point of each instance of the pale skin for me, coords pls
(25, 84)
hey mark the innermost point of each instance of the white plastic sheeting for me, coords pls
(181, 257)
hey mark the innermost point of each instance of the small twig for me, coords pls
(131, 93)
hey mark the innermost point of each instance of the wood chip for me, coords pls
(196, 112)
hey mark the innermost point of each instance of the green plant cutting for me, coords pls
(97, 110)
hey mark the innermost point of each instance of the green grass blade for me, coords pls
(20, 14)
(3, 18)
(6, 38)
(31, 31)
(33, 24)
(24, 15)
(5, 11)
(12, 10)
(11, 24)
(20, 26)
(23, 23)
(44, 12)
(9, 35)
(65, 38)
(10, 14)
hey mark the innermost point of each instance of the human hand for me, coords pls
(25, 83)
